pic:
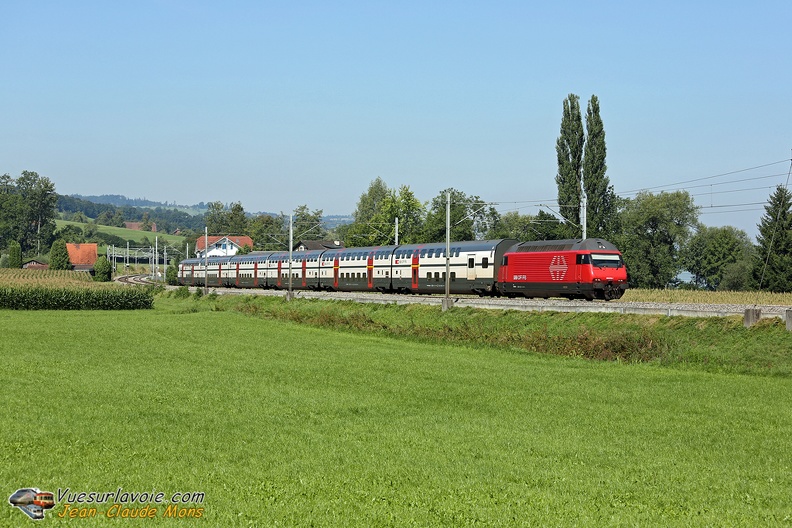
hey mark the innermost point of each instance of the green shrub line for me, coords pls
(717, 344)
(29, 297)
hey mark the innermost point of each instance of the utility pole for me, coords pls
(397, 230)
(447, 302)
(289, 295)
(206, 260)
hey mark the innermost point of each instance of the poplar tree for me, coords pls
(569, 149)
(773, 265)
(14, 254)
(601, 199)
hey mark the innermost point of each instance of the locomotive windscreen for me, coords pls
(606, 261)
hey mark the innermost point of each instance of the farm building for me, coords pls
(83, 256)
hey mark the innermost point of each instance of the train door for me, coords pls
(471, 267)
(415, 270)
(255, 274)
(336, 265)
(304, 272)
(237, 275)
(192, 275)
(370, 271)
(280, 266)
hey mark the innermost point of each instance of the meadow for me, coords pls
(128, 234)
(280, 423)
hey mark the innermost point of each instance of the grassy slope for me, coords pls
(128, 234)
(280, 423)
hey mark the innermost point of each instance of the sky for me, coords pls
(275, 104)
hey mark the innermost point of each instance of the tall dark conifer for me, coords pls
(601, 200)
(569, 149)
(773, 266)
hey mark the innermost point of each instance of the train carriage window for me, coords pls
(430, 253)
(471, 262)
(423, 253)
(484, 262)
(453, 275)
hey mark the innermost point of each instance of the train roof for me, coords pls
(472, 245)
(572, 244)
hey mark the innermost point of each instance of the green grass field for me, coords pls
(128, 234)
(283, 424)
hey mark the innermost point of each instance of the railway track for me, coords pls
(539, 305)
(139, 280)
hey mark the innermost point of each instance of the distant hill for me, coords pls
(122, 201)
(196, 211)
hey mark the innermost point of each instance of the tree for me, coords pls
(145, 224)
(543, 226)
(80, 217)
(59, 256)
(471, 218)
(370, 227)
(14, 254)
(369, 204)
(410, 212)
(655, 228)
(773, 264)
(72, 233)
(569, 151)
(600, 198)
(172, 273)
(269, 232)
(711, 250)
(103, 270)
(215, 217)
(308, 224)
(236, 220)
(39, 210)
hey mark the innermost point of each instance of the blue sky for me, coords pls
(278, 104)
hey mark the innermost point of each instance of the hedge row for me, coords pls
(55, 298)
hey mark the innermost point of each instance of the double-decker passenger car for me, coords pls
(589, 269)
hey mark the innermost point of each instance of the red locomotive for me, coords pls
(576, 269)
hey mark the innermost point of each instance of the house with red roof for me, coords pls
(222, 246)
(83, 256)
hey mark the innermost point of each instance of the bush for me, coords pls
(181, 292)
(103, 270)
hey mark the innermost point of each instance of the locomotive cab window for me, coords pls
(606, 261)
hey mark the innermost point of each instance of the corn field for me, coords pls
(67, 290)
(44, 277)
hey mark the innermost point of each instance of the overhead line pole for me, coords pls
(447, 302)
